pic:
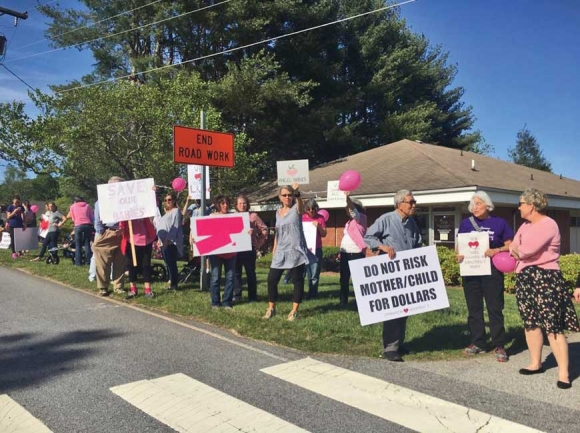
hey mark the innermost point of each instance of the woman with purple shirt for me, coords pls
(15, 219)
(488, 287)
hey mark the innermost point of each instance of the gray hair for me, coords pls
(482, 195)
(536, 198)
(400, 196)
(115, 179)
(311, 204)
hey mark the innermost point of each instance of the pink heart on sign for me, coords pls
(233, 244)
(406, 310)
(473, 244)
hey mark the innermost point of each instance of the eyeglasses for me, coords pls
(286, 195)
(168, 199)
(410, 202)
(522, 202)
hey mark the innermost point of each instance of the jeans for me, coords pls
(313, 273)
(216, 263)
(247, 261)
(50, 241)
(170, 257)
(345, 273)
(83, 237)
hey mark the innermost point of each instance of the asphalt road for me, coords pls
(61, 350)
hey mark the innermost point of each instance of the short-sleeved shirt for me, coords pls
(497, 228)
(53, 218)
(16, 221)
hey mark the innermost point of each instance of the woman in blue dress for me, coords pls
(289, 251)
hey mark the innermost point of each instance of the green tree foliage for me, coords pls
(527, 152)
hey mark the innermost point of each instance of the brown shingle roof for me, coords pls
(423, 167)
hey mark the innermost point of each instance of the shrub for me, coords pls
(449, 266)
(330, 261)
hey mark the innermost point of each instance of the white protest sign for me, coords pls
(293, 171)
(472, 246)
(310, 236)
(5, 241)
(194, 173)
(25, 239)
(411, 283)
(221, 233)
(334, 196)
(125, 201)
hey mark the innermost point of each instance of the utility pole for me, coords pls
(15, 14)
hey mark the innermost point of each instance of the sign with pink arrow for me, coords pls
(221, 234)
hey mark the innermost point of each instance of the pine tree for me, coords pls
(527, 152)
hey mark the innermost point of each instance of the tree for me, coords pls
(527, 152)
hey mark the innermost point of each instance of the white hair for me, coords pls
(400, 196)
(482, 195)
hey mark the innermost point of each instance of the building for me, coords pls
(443, 181)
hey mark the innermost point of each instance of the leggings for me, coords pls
(143, 254)
(297, 276)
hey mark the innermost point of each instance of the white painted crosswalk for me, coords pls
(15, 419)
(411, 409)
(187, 405)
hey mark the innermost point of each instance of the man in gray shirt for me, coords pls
(392, 232)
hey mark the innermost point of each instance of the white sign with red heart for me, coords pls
(293, 171)
(194, 173)
(472, 246)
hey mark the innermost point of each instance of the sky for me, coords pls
(518, 61)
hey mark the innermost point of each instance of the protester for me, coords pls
(29, 216)
(289, 250)
(541, 294)
(109, 258)
(247, 259)
(352, 246)
(488, 287)
(55, 221)
(144, 235)
(15, 220)
(44, 223)
(216, 261)
(83, 218)
(392, 232)
(312, 216)
(170, 237)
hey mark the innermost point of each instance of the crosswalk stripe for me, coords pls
(15, 419)
(187, 405)
(408, 408)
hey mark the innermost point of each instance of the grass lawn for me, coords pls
(322, 327)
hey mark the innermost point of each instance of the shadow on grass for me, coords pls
(26, 360)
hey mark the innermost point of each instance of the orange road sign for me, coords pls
(201, 147)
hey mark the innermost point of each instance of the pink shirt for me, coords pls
(538, 244)
(321, 222)
(81, 213)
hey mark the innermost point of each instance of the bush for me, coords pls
(330, 262)
(449, 266)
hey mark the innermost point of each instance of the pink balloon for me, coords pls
(34, 208)
(504, 262)
(178, 184)
(324, 213)
(349, 180)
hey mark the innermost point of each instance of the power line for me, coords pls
(87, 25)
(119, 33)
(6, 67)
(239, 48)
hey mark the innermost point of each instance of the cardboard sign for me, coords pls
(310, 235)
(472, 246)
(293, 171)
(5, 240)
(25, 239)
(126, 201)
(411, 283)
(194, 173)
(221, 234)
(201, 147)
(334, 196)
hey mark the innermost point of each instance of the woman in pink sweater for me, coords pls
(543, 299)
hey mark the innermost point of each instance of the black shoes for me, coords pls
(564, 385)
(527, 372)
(392, 356)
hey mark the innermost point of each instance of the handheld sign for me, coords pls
(472, 246)
(221, 234)
(126, 201)
(334, 196)
(25, 239)
(194, 175)
(5, 240)
(310, 231)
(293, 171)
(201, 147)
(411, 283)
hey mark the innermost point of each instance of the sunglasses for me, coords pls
(168, 199)
(285, 195)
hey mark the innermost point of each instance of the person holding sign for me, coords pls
(55, 221)
(541, 293)
(352, 246)
(476, 288)
(170, 234)
(392, 232)
(289, 251)
(144, 235)
(312, 216)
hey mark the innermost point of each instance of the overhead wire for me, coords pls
(6, 67)
(87, 25)
(237, 48)
(119, 33)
